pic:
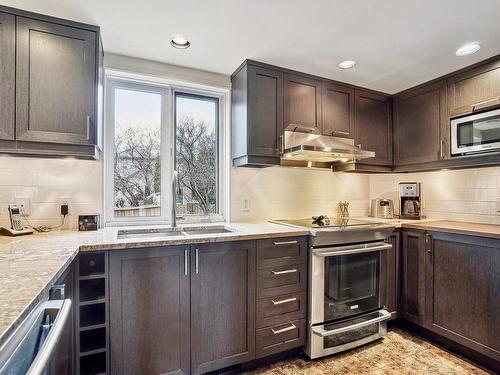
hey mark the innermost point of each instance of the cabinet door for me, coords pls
(149, 311)
(390, 269)
(420, 123)
(474, 89)
(265, 111)
(373, 126)
(413, 264)
(463, 291)
(222, 305)
(302, 103)
(55, 83)
(7, 75)
(338, 110)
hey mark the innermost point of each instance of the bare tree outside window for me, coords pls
(196, 154)
(137, 168)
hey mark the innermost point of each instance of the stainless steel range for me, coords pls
(345, 259)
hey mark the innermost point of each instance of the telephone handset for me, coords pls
(15, 217)
(16, 228)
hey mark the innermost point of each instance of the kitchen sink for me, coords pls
(171, 232)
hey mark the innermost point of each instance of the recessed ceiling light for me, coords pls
(179, 41)
(347, 64)
(468, 49)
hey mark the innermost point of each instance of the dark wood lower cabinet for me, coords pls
(149, 311)
(463, 291)
(451, 287)
(222, 305)
(413, 273)
(390, 269)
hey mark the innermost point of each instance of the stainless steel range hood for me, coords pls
(319, 151)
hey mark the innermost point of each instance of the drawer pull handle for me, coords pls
(278, 331)
(339, 132)
(284, 272)
(284, 301)
(280, 243)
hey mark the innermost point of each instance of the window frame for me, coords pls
(167, 150)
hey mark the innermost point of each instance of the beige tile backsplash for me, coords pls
(463, 195)
(271, 193)
(47, 182)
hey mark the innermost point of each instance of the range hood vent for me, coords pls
(319, 151)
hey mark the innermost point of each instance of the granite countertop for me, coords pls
(457, 227)
(31, 264)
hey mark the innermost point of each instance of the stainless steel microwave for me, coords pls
(476, 133)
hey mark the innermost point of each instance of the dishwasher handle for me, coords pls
(41, 360)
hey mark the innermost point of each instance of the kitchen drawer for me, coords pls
(277, 281)
(282, 309)
(281, 337)
(277, 252)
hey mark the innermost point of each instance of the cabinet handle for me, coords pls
(308, 129)
(288, 300)
(186, 260)
(278, 331)
(441, 145)
(284, 272)
(279, 243)
(196, 262)
(485, 104)
(339, 132)
(88, 127)
(428, 244)
(282, 145)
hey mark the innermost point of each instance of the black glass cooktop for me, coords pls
(325, 222)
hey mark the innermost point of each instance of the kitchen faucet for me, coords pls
(176, 190)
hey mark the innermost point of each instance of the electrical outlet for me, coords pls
(65, 201)
(24, 204)
(245, 205)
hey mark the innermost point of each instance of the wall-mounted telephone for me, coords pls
(16, 228)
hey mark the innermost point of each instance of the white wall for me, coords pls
(47, 182)
(281, 193)
(463, 195)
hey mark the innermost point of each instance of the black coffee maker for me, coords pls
(410, 200)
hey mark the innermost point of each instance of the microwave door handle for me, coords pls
(385, 315)
(338, 251)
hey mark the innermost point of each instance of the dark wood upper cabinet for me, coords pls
(462, 292)
(302, 103)
(373, 126)
(413, 274)
(149, 311)
(338, 110)
(55, 83)
(7, 75)
(257, 116)
(420, 124)
(474, 89)
(222, 305)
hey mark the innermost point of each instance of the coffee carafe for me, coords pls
(410, 200)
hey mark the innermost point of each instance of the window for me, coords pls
(153, 130)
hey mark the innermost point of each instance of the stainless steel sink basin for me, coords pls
(171, 232)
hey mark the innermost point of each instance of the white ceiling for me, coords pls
(397, 43)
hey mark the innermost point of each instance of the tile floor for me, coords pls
(399, 353)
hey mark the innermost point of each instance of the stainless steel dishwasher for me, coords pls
(32, 346)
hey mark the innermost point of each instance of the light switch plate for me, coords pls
(245, 206)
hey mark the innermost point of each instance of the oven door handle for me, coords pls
(385, 315)
(348, 251)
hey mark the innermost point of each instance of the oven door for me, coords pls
(476, 133)
(345, 281)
